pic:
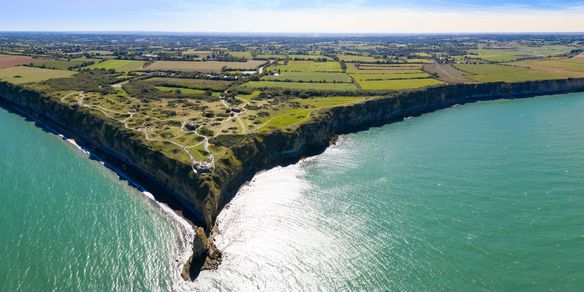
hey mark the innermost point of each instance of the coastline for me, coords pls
(261, 152)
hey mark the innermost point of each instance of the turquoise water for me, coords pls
(486, 196)
(69, 224)
(480, 197)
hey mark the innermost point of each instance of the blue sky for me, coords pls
(354, 16)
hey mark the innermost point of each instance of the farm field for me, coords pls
(11, 61)
(177, 106)
(309, 77)
(23, 74)
(399, 84)
(119, 65)
(502, 73)
(357, 59)
(448, 73)
(202, 84)
(246, 55)
(418, 61)
(270, 57)
(388, 76)
(301, 85)
(309, 57)
(63, 64)
(571, 67)
(204, 67)
(200, 54)
(519, 52)
(384, 69)
(308, 66)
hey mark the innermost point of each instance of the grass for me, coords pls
(518, 52)
(203, 84)
(501, 73)
(418, 61)
(62, 64)
(399, 84)
(555, 65)
(270, 57)
(22, 74)
(385, 69)
(301, 85)
(182, 89)
(363, 59)
(388, 76)
(309, 66)
(246, 55)
(205, 67)
(309, 77)
(285, 119)
(332, 101)
(309, 57)
(119, 65)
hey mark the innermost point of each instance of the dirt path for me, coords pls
(210, 162)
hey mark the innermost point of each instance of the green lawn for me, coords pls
(301, 85)
(119, 65)
(498, 73)
(399, 84)
(309, 77)
(22, 74)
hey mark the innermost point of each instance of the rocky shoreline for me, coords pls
(200, 198)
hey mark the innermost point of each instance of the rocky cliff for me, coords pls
(204, 196)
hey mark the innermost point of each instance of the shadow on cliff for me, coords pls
(122, 171)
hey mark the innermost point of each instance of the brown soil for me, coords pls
(11, 61)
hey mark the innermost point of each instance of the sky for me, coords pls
(295, 16)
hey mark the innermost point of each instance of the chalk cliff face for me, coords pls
(204, 196)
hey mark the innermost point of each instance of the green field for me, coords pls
(205, 67)
(246, 55)
(63, 64)
(202, 84)
(518, 52)
(570, 65)
(309, 77)
(270, 57)
(384, 69)
(308, 66)
(502, 73)
(388, 76)
(309, 57)
(356, 59)
(183, 90)
(119, 65)
(331, 101)
(22, 74)
(399, 84)
(301, 85)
